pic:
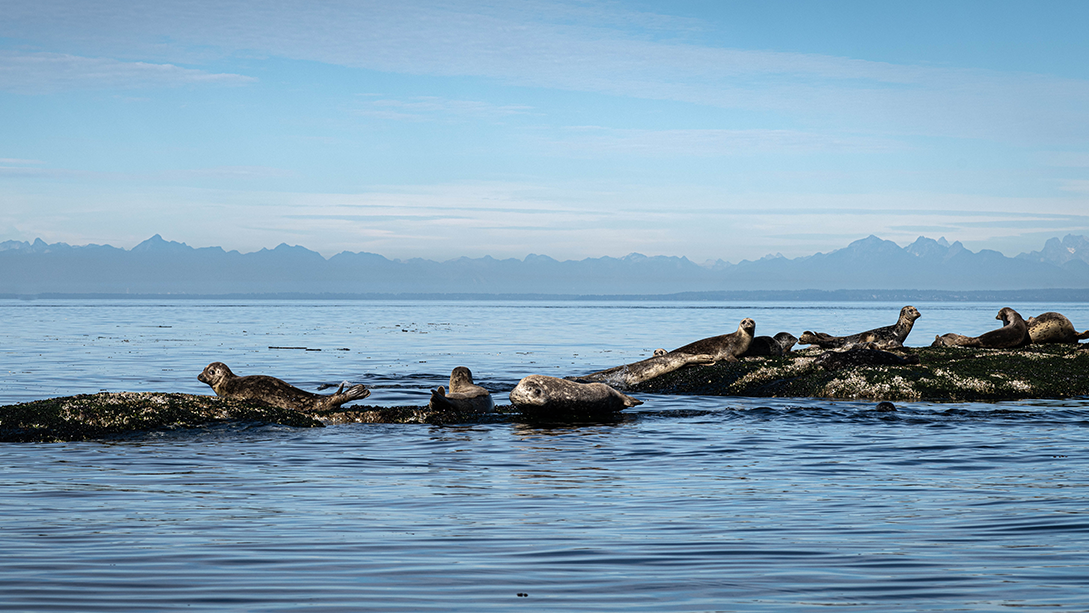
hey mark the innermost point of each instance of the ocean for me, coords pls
(685, 503)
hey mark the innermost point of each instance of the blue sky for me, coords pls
(712, 130)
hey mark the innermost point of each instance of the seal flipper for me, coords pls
(628, 400)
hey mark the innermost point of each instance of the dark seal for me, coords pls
(548, 396)
(273, 391)
(886, 337)
(464, 395)
(778, 345)
(1013, 333)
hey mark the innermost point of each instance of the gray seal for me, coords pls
(541, 395)
(273, 391)
(464, 395)
(1053, 327)
(886, 337)
(1013, 333)
(705, 351)
(778, 345)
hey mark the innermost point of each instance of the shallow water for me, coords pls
(683, 504)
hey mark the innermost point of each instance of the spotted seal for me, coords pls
(464, 395)
(1053, 327)
(548, 396)
(725, 347)
(705, 351)
(273, 391)
(1013, 333)
(886, 337)
(622, 377)
(778, 345)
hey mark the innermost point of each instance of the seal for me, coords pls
(862, 355)
(273, 391)
(1013, 333)
(886, 337)
(778, 345)
(725, 347)
(548, 396)
(1053, 327)
(705, 351)
(464, 395)
(623, 377)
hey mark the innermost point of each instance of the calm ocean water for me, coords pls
(685, 504)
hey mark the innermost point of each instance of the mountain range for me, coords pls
(157, 266)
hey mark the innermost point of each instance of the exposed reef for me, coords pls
(943, 374)
(102, 415)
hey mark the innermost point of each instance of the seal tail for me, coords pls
(355, 392)
(1083, 335)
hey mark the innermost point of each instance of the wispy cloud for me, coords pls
(36, 73)
(595, 140)
(526, 47)
(431, 108)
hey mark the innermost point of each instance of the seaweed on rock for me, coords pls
(944, 374)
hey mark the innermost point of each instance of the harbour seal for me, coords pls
(725, 347)
(705, 351)
(1013, 333)
(464, 395)
(1053, 327)
(862, 355)
(548, 396)
(778, 345)
(273, 391)
(886, 337)
(627, 375)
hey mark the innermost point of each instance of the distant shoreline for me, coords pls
(1028, 295)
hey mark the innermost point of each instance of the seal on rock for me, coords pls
(886, 337)
(644, 370)
(1053, 327)
(464, 395)
(273, 391)
(542, 395)
(706, 351)
(725, 347)
(778, 345)
(862, 355)
(1013, 333)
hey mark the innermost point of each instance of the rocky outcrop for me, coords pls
(96, 416)
(942, 374)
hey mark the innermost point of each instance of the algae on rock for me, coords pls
(944, 374)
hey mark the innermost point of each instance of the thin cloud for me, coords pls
(38, 73)
(593, 141)
(430, 108)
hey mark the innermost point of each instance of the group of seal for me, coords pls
(595, 394)
(1045, 328)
